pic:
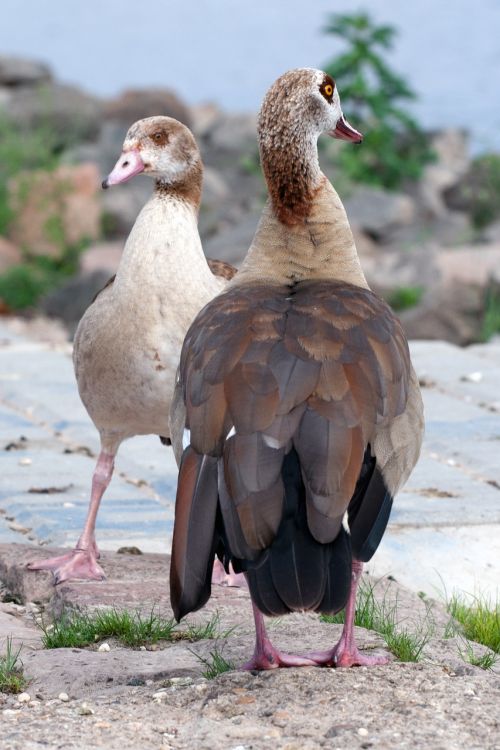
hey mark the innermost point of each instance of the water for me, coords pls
(230, 51)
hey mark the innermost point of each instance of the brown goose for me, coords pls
(128, 343)
(302, 415)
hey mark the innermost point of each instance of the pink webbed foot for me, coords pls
(269, 657)
(343, 656)
(78, 564)
(221, 578)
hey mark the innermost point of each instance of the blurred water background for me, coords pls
(229, 52)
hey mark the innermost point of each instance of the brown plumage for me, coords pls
(297, 395)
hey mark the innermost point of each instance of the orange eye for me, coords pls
(328, 89)
(160, 137)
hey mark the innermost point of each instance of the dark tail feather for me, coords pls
(297, 572)
(195, 536)
(369, 510)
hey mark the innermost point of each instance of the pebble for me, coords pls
(85, 710)
(104, 647)
(24, 698)
(64, 697)
(160, 695)
(10, 712)
(363, 732)
(25, 462)
(472, 377)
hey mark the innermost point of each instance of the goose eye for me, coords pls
(160, 137)
(327, 88)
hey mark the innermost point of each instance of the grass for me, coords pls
(215, 664)
(491, 319)
(485, 661)
(80, 629)
(381, 617)
(479, 620)
(11, 670)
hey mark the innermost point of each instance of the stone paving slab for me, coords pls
(451, 502)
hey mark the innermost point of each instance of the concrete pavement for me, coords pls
(444, 531)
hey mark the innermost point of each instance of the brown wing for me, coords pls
(322, 368)
(222, 269)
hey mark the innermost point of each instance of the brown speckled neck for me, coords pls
(188, 188)
(288, 147)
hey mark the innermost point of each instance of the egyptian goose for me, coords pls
(127, 345)
(299, 405)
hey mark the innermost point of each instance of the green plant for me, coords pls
(11, 670)
(77, 629)
(21, 286)
(394, 147)
(485, 661)
(405, 297)
(22, 150)
(491, 319)
(215, 664)
(381, 617)
(480, 620)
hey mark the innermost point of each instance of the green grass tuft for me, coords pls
(11, 670)
(480, 620)
(485, 661)
(381, 617)
(77, 629)
(405, 297)
(215, 664)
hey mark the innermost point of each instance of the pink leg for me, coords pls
(266, 656)
(81, 562)
(345, 653)
(221, 578)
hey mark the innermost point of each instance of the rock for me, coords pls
(453, 312)
(63, 697)
(122, 204)
(452, 162)
(469, 265)
(18, 71)
(135, 104)
(67, 112)
(232, 245)
(234, 133)
(203, 118)
(105, 256)
(10, 254)
(70, 301)
(54, 210)
(378, 211)
(104, 648)
(23, 698)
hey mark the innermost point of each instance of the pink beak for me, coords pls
(345, 132)
(128, 165)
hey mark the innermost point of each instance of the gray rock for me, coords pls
(232, 244)
(378, 211)
(234, 133)
(121, 205)
(70, 301)
(71, 114)
(450, 147)
(135, 104)
(18, 71)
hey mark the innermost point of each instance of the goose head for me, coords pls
(160, 147)
(305, 102)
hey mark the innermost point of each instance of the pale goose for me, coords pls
(127, 345)
(301, 412)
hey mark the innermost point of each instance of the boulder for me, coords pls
(66, 112)
(18, 71)
(70, 301)
(55, 210)
(452, 161)
(10, 254)
(103, 256)
(121, 204)
(203, 118)
(235, 133)
(377, 212)
(135, 104)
